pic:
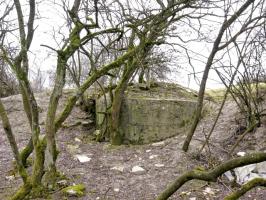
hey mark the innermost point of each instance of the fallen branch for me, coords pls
(246, 187)
(211, 175)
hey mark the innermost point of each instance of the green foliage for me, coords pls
(75, 190)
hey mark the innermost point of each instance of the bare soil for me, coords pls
(162, 163)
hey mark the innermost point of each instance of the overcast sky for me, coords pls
(47, 32)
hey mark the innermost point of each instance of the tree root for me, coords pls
(211, 175)
(22, 192)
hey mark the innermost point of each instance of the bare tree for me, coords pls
(219, 44)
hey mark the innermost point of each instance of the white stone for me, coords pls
(261, 168)
(148, 150)
(116, 189)
(229, 175)
(251, 176)
(82, 158)
(159, 165)
(62, 183)
(185, 193)
(242, 173)
(153, 156)
(10, 178)
(77, 139)
(208, 190)
(192, 198)
(137, 169)
(241, 153)
(71, 192)
(118, 168)
(157, 144)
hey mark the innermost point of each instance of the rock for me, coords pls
(137, 169)
(148, 150)
(184, 193)
(116, 189)
(153, 156)
(77, 139)
(249, 172)
(75, 190)
(192, 198)
(10, 178)
(118, 168)
(209, 191)
(87, 123)
(158, 144)
(82, 158)
(252, 176)
(240, 154)
(159, 165)
(242, 173)
(261, 168)
(229, 175)
(62, 183)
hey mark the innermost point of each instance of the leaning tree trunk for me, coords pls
(115, 134)
(226, 24)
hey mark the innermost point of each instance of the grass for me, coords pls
(218, 94)
(215, 94)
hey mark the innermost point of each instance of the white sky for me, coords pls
(51, 19)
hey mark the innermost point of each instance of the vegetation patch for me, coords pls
(75, 190)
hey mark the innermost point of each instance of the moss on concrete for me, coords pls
(148, 116)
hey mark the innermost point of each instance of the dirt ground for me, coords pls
(108, 175)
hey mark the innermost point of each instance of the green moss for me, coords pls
(39, 192)
(75, 190)
(22, 192)
(185, 122)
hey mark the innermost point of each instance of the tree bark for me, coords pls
(12, 142)
(211, 175)
(116, 136)
(245, 188)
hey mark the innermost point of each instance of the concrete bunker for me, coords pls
(147, 116)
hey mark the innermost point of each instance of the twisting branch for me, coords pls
(12, 141)
(245, 188)
(211, 175)
(30, 23)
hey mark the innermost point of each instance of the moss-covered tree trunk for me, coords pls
(51, 151)
(115, 134)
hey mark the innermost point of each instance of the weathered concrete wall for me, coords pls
(146, 120)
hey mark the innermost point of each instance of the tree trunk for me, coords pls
(215, 49)
(116, 136)
(50, 130)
